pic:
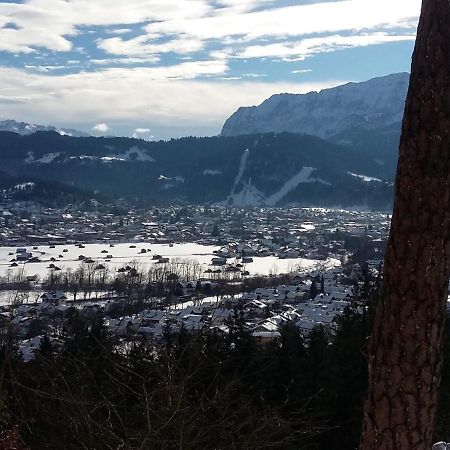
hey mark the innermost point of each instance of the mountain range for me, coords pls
(25, 128)
(336, 148)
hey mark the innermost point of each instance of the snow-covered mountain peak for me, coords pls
(24, 128)
(375, 103)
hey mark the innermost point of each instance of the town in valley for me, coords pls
(146, 271)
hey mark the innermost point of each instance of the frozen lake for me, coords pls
(67, 256)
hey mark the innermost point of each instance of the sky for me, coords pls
(157, 69)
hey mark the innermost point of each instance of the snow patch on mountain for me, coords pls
(249, 195)
(29, 185)
(241, 170)
(240, 174)
(304, 176)
(212, 172)
(107, 159)
(170, 182)
(364, 177)
(319, 180)
(46, 159)
(134, 154)
(290, 185)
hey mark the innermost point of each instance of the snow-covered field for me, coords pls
(67, 256)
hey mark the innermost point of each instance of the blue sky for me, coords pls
(167, 68)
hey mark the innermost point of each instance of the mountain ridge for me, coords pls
(253, 170)
(376, 103)
(25, 128)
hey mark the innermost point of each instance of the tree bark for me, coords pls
(406, 345)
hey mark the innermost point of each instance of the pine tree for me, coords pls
(405, 353)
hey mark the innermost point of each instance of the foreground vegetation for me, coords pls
(192, 391)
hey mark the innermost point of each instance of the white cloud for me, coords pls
(348, 15)
(50, 23)
(187, 25)
(100, 128)
(301, 71)
(140, 133)
(125, 60)
(224, 53)
(186, 70)
(137, 97)
(10, 99)
(142, 45)
(255, 75)
(200, 90)
(308, 47)
(120, 31)
(44, 68)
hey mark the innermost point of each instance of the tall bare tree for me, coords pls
(405, 348)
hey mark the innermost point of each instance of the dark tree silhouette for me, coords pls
(406, 346)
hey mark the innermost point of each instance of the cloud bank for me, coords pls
(177, 63)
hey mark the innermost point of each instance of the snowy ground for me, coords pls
(123, 254)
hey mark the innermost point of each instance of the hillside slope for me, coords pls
(257, 170)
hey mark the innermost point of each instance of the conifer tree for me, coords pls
(405, 352)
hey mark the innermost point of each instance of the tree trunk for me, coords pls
(406, 345)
